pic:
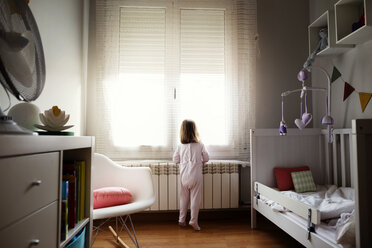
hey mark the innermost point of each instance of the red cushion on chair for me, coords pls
(111, 196)
(283, 177)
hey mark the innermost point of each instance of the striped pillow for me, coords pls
(303, 181)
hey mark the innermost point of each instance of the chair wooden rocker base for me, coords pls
(123, 222)
(118, 239)
(131, 233)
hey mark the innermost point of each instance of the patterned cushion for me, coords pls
(283, 177)
(303, 181)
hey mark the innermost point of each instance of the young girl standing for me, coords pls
(190, 154)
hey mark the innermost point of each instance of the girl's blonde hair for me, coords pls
(188, 132)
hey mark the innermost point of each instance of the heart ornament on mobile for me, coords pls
(306, 118)
(299, 124)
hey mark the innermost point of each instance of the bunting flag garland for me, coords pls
(348, 89)
(364, 99)
(335, 74)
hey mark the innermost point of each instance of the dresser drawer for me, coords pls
(27, 183)
(37, 230)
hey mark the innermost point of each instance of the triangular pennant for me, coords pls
(335, 74)
(364, 99)
(348, 89)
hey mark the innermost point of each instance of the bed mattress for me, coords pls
(333, 202)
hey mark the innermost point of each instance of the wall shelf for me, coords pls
(348, 12)
(326, 20)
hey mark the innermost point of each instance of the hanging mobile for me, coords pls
(305, 118)
(283, 125)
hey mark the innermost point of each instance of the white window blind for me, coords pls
(202, 41)
(137, 96)
(142, 40)
(162, 61)
(203, 91)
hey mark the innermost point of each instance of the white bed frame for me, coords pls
(330, 164)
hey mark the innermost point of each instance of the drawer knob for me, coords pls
(34, 242)
(36, 182)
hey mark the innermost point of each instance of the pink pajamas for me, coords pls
(191, 158)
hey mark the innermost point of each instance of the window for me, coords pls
(161, 62)
(139, 93)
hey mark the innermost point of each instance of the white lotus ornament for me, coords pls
(54, 119)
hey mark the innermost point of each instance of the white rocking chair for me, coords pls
(138, 180)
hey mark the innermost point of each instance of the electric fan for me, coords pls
(22, 63)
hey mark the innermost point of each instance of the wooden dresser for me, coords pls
(30, 189)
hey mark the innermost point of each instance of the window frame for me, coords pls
(172, 80)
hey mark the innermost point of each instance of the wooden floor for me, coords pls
(218, 230)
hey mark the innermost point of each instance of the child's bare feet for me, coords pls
(182, 224)
(195, 226)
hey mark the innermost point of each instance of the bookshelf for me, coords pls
(31, 174)
(73, 158)
(349, 12)
(326, 20)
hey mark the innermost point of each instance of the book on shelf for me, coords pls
(70, 170)
(71, 178)
(78, 179)
(81, 185)
(74, 173)
(64, 210)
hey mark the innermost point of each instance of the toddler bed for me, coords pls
(301, 216)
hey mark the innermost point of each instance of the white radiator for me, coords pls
(220, 184)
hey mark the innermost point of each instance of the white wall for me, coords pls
(282, 28)
(60, 25)
(355, 66)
